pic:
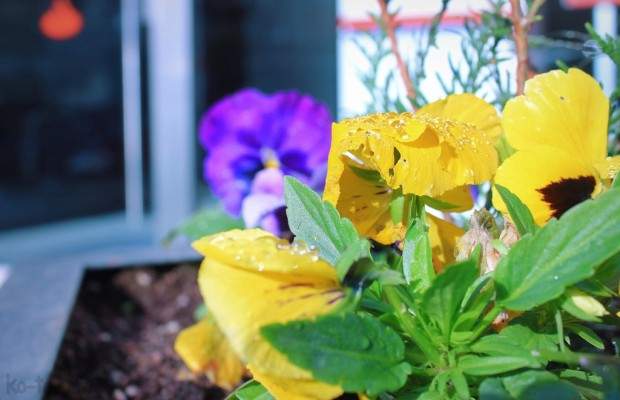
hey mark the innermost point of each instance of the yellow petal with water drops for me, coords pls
(295, 389)
(466, 109)
(564, 110)
(547, 180)
(464, 129)
(250, 279)
(609, 168)
(444, 236)
(204, 349)
(257, 250)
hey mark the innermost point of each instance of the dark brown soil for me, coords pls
(119, 341)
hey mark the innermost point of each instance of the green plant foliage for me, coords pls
(541, 385)
(540, 266)
(417, 257)
(443, 298)
(203, 223)
(250, 390)
(355, 351)
(520, 214)
(317, 222)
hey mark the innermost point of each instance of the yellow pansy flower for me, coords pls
(205, 349)
(558, 128)
(249, 279)
(435, 152)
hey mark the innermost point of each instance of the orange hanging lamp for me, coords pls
(62, 21)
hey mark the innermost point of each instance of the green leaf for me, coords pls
(200, 312)
(520, 214)
(251, 390)
(550, 390)
(460, 384)
(527, 385)
(482, 366)
(518, 341)
(357, 250)
(587, 334)
(493, 389)
(539, 267)
(570, 307)
(356, 352)
(317, 222)
(611, 378)
(203, 223)
(520, 383)
(417, 256)
(442, 300)
(438, 204)
(616, 183)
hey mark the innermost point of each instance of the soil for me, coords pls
(119, 342)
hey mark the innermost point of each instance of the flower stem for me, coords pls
(521, 27)
(390, 28)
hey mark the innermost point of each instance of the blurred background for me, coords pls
(100, 99)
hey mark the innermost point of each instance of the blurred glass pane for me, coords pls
(61, 137)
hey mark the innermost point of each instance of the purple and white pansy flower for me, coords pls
(252, 140)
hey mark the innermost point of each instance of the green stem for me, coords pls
(560, 330)
(410, 326)
(407, 207)
(486, 322)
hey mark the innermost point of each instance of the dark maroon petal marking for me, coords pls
(296, 285)
(340, 296)
(565, 193)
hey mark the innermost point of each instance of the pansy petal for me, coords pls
(443, 236)
(258, 251)
(204, 349)
(466, 109)
(547, 180)
(269, 181)
(367, 204)
(567, 111)
(256, 206)
(460, 197)
(609, 168)
(250, 279)
(295, 389)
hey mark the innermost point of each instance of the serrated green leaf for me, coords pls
(442, 300)
(520, 214)
(483, 366)
(251, 390)
(356, 352)
(539, 267)
(317, 222)
(203, 223)
(616, 183)
(417, 256)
